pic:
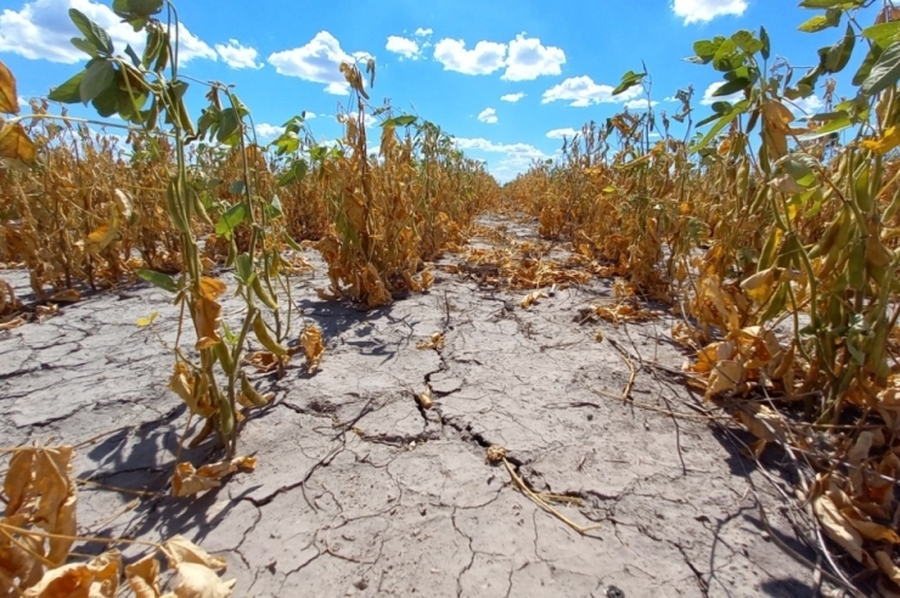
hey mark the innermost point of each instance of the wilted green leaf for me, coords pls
(93, 33)
(231, 219)
(163, 281)
(97, 77)
(885, 72)
(69, 92)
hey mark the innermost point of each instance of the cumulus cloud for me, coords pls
(405, 47)
(267, 131)
(237, 56)
(514, 158)
(567, 133)
(529, 59)
(483, 59)
(693, 11)
(318, 61)
(582, 92)
(639, 104)
(422, 32)
(709, 99)
(488, 115)
(42, 30)
(512, 97)
(805, 107)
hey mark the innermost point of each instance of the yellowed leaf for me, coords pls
(9, 100)
(103, 235)
(874, 531)
(888, 141)
(532, 298)
(15, 144)
(212, 288)
(147, 321)
(207, 315)
(199, 581)
(124, 203)
(435, 342)
(887, 566)
(66, 296)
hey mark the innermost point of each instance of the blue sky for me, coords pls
(508, 78)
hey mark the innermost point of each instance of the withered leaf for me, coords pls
(199, 581)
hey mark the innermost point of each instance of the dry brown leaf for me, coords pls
(887, 566)
(532, 298)
(838, 527)
(435, 342)
(143, 577)
(313, 347)
(179, 550)
(9, 100)
(15, 145)
(199, 581)
(66, 296)
(725, 377)
(211, 288)
(98, 578)
(103, 235)
(188, 481)
(206, 320)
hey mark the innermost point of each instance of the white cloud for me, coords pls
(515, 157)
(567, 133)
(42, 30)
(693, 11)
(805, 107)
(639, 104)
(408, 48)
(420, 32)
(318, 61)
(483, 59)
(267, 131)
(512, 97)
(528, 59)
(488, 115)
(709, 98)
(237, 56)
(582, 92)
(309, 115)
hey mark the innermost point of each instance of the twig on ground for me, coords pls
(539, 500)
(626, 392)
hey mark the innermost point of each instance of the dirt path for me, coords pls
(360, 492)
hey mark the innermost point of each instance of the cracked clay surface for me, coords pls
(361, 492)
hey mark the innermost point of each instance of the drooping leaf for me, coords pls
(158, 279)
(97, 78)
(69, 92)
(399, 121)
(231, 219)
(16, 145)
(9, 101)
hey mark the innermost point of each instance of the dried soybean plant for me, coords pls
(147, 92)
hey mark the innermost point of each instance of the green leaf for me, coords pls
(231, 218)
(94, 34)
(831, 18)
(399, 121)
(746, 42)
(97, 77)
(163, 281)
(145, 8)
(869, 61)
(882, 34)
(135, 59)
(107, 102)
(736, 110)
(274, 209)
(730, 87)
(842, 4)
(705, 50)
(839, 54)
(85, 46)
(629, 80)
(243, 269)
(69, 92)
(885, 72)
(834, 126)
(297, 172)
(766, 47)
(229, 123)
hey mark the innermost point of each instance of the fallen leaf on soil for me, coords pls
(143, 577)
(66, 296)
(725, 376)
(263, 361)
(532, 298)
(179, 550)
(188, 481)
(144, 322)
(425, 399)
(198, 581)
(98, 578)
(435, 342)
(313, 348)
(838, 527)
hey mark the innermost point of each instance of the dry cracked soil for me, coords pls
(359, 491)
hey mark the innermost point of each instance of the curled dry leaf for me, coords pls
(838, 527)
(199, 581)
(206, 319)
(98, 578)
(313, 347)
(725, 377)
(188, 481)
(143, 577)
(179, 549)
(532, 298)
(435, 342)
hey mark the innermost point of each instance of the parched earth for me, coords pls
(360, 491)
